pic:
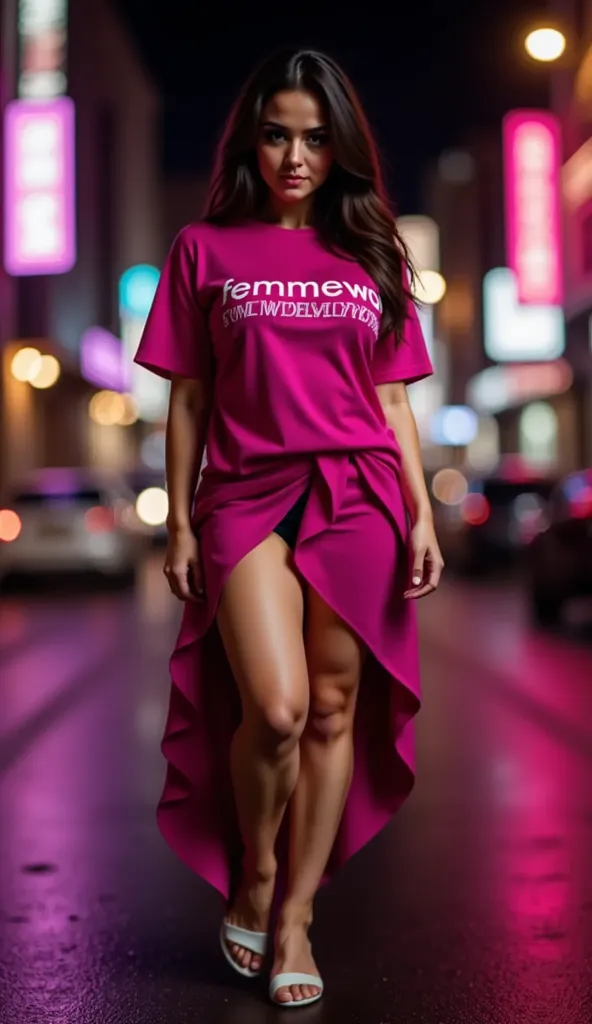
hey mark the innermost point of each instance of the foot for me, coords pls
(293, 955)
(251, 910)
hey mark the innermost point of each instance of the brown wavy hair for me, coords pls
(352, 213)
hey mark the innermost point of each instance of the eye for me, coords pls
(274, 135)
(318, 139)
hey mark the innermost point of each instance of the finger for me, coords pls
(435, 574)
(184, 586)
(182, 589)
(170, 578)
(196, 578)
(173, 585)
(413, 595)
(418, 564)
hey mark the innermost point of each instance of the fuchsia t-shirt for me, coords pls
(289, 333)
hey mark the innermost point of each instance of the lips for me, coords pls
(292, 180)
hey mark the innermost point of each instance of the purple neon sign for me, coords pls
(101, 360)
(39, 187)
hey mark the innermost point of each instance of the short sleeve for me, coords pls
(402, 359)
(175, 339)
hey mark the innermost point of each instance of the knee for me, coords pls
(279, 724)
(332, 709)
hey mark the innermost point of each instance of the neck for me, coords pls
(292, 215)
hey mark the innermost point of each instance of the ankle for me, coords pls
(296, 913)
(259, 870)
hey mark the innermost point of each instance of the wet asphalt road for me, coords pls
(473, 907)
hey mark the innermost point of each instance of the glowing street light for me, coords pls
(545, 44)
(25, 364)
(429, 287)
(47, 373)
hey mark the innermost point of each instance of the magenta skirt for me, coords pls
(351, 547)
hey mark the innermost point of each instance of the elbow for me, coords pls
(190, 396)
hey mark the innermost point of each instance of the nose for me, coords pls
(294, 157)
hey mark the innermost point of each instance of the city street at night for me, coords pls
(473, 907)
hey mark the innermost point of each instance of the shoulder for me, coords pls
(199, 238)
(194, 235)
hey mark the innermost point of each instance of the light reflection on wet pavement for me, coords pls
(473, 907)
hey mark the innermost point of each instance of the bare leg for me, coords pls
(335, 657)
(260, 620)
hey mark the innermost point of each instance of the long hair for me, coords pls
(352, 214)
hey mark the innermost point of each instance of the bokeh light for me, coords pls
(449, 486)
(131, 413)
(456, 166)
(107, 408)
(545, 44)
(46, 373)
(152, 506)
(25, 364)
(429, 287)
(153, 450)
(475, 509)
(10, 525)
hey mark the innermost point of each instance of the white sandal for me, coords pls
(255, 942)
(285, 980)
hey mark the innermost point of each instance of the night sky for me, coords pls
(429, 71)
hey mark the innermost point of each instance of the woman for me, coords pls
(284, 322)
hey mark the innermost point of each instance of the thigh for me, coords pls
(260, 618)
(335, 656)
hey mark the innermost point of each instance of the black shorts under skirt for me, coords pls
(289, 526)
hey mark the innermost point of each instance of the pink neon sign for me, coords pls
(101, 360)
(39, 187)
(532, 161)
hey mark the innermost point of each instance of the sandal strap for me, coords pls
(285, 980)
(255, 942)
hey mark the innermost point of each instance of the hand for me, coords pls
(427, 560)
(182, 566)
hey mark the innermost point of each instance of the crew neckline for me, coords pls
(307, 229)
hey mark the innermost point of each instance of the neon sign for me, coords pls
(514, 332)
(39, 199)
(137, 287)
(532, 159)
(42, 43)
(101, 360)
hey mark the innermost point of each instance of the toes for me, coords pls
(296, 993)
(256, 962)
(245, 958)
(241, 955)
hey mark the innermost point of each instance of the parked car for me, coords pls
(493, 522)
(69, 520)
(561, 556)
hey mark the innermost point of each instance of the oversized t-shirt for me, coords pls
(288, 336)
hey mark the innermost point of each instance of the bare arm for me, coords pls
(187, 422)
(185, 442)
(400, 418)
(428, 563)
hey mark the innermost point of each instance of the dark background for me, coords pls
(428, 72)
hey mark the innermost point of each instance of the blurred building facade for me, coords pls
(183, 200)
(464, 193)
(572, 102)
(118, 225)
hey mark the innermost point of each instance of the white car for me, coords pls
(70, 520)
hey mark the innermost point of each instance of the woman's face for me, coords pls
(293, 150)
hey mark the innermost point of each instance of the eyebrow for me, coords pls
(309, 131)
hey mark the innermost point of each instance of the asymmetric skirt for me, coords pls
(351, 546)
